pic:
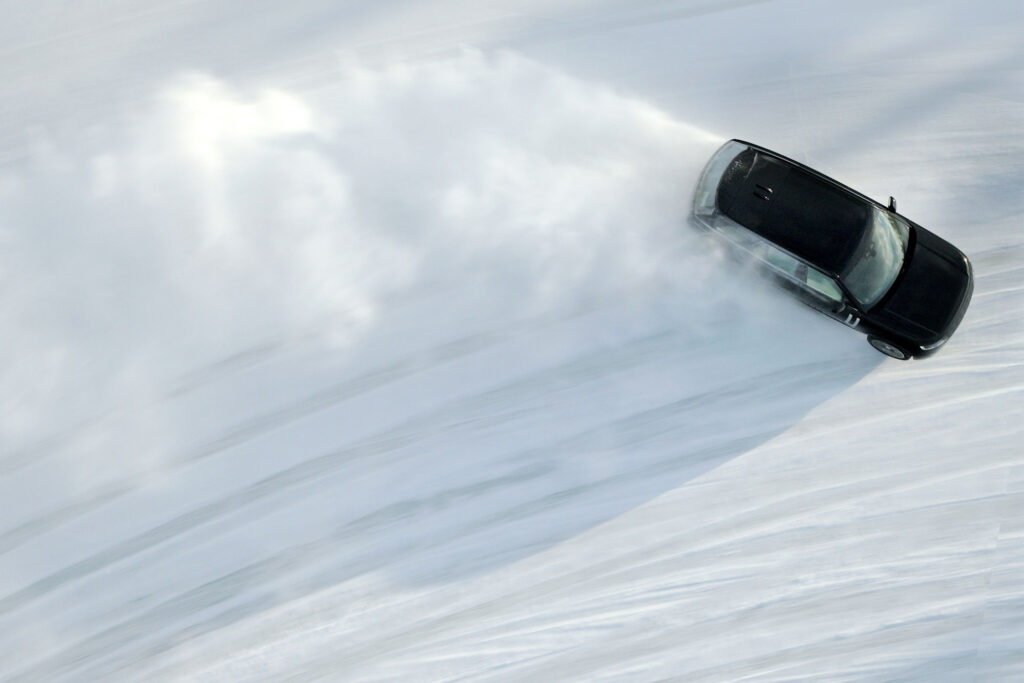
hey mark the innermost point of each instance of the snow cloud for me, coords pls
(215, 216)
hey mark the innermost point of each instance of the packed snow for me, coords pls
(372, 342)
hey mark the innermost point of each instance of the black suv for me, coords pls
(838, 251)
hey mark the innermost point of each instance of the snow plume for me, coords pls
(216, 217)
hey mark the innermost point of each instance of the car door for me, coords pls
(810, 285)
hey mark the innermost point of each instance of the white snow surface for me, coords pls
(370, 341)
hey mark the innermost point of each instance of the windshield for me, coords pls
(878, 259)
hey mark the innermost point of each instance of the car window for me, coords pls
(806, 276)
(824, 285)
(781, 261)
(740, 236)
(879, 258)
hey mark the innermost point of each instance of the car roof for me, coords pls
(802, 211)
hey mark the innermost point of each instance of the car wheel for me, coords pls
(888, 348)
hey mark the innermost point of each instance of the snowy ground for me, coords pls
(372, 343)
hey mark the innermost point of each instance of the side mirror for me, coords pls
(892, 204)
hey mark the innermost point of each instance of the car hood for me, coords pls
(928, 301)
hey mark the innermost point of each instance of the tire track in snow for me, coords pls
(386, 441)
(391, 441)
(261, 425)
(659, 424)
(452, 627)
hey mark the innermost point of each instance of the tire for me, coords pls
(889, 349)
